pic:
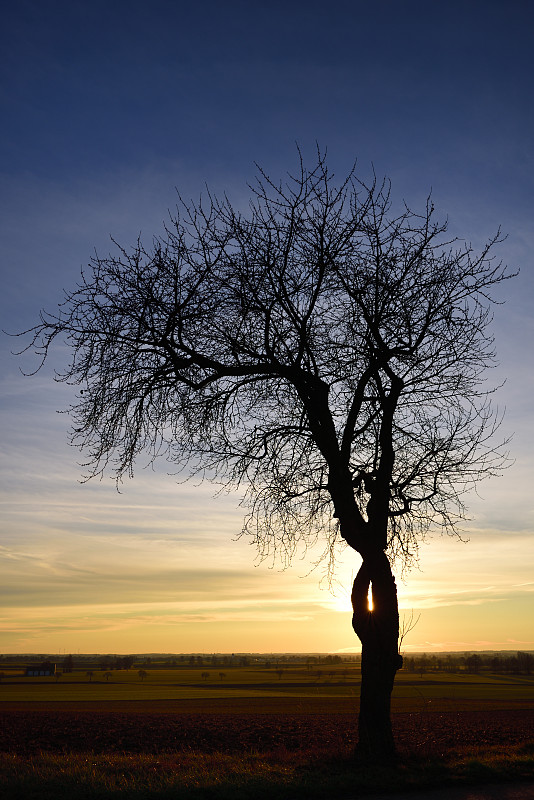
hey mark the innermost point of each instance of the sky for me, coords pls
(109, 108)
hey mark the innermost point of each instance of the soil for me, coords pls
(246, 726)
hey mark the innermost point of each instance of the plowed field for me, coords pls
(247, 726)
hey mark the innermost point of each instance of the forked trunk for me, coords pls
(378, 631)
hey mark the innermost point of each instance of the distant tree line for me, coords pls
(504, 662)
(118, 662)
(520, 663)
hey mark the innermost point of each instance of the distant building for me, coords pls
(38, 670)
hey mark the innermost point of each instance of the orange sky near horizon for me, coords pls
(157, 568)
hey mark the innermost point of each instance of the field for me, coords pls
(412, 692)
(252, 732)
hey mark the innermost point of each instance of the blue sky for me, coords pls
(107, 108)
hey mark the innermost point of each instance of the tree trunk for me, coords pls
(378, 631)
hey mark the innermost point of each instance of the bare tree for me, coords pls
(406, 626)
(320, 351)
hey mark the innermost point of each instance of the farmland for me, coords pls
(257, 730)
(413, 692)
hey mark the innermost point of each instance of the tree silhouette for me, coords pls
(322, 352)
(68, 664)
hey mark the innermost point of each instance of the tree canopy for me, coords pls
(320, 350)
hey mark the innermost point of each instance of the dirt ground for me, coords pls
(499, 791)
(155, 728)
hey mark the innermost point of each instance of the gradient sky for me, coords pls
(107, 108)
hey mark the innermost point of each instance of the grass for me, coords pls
(264, 776)
(411, 691)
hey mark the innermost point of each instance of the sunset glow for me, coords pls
(101, 123)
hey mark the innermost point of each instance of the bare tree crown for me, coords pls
(321, 351)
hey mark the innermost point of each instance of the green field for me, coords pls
(411, 691)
